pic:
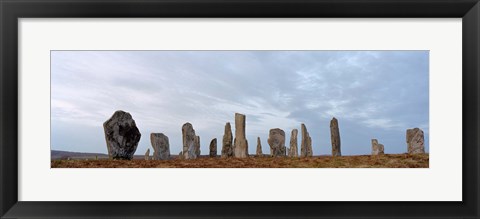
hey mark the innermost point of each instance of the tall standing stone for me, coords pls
(335, 137)
(122, 136)
(197, 146)
(259, 147)
(240, 144)
(377, 149)
(227, 147)
(213, 147)
(415, 141)
(188, 138)
(276, 140)
(306, 146)
(160, 145)
(147, 154)
(293, 150)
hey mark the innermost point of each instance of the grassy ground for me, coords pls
(361, 161)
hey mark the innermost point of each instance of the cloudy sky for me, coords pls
(373, 94)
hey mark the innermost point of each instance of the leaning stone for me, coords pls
(276, 140)
(306, 146)
(415, 141)
(147, 154)
(335, 138)
(213, 148)
(293, 150)
(188, 138)
(377, 149)
(122, 136)
(227, 147)
(259, 147)
(160, 145)
(240, 145)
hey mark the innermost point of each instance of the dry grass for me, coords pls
(361, 161)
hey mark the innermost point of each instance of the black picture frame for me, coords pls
(12, 10)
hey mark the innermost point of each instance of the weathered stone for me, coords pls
(306, 146)
(335, 137)
(377, 149)
(293, 150)
(180, 155)
(197, 145)
(227, 147)
(240, 144)
(147, 154)
(213, 148)
(189, 137)
(259, 147)
(276, 140)
(122, 135)
(415, 141)
(160, 145)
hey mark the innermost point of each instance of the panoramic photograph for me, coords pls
(239, 109)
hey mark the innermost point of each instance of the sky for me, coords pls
(373, 94)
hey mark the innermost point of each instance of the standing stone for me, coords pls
(306, 146)
(240, 144)
(377, 149)
(259, 147)
(335, 137)
(213, 147)
(227, 147)
(293, 150)
(122, 135)
(197, 145)
(188, 137)
(147, 154)
(160, 145)
(276, 140)
(415, 141)
(180, 155)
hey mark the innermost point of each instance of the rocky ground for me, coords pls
(361, 161)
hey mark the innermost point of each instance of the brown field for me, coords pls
(360, 161)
